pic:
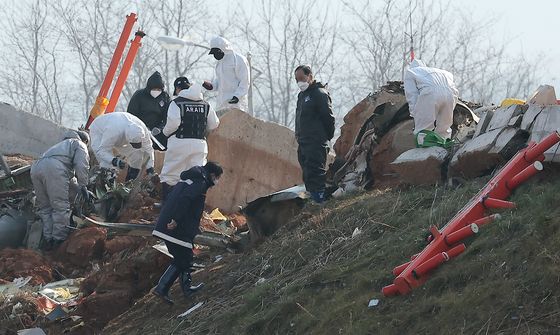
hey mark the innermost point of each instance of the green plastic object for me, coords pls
(428, 138)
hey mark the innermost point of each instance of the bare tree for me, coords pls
(458, 43)
(280, 36)
(33, 83)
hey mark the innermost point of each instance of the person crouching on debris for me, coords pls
(51, 175)
(431, 96)
(189, 119)
(314, 130)
(129, 137)
(178, 224)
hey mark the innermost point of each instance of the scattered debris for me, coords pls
(190, 310)
(373, 303)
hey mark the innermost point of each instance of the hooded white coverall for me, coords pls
(116, 131)
(51, 176)
(232, 76)
(431, 96)
(184, 153)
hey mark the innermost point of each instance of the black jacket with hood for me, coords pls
(185, 205)
(314, 116)
(152, 111)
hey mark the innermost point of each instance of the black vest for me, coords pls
(194, 118)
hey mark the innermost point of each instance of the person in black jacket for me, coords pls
(314, 130)
(150, 105)
(178, 224)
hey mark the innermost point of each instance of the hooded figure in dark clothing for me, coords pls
(150, 105)
(178, 224)
(314, 129)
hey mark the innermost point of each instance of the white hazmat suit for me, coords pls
(232, 76)
(184, 153)
(115, 131)
(51, 176)
(431, 96)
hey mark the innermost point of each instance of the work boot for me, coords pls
(318, 197)
(165, 283)
(188, 289)
(132, 173)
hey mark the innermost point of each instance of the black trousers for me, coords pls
(182, 256)
(313, 159)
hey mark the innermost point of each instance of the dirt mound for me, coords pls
(82, 246)
(15, 263)
(126, 277)
(17, 161)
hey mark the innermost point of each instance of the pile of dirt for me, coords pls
(16, 263)
(127, 276)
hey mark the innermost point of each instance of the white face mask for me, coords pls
(303, 85)
(155, 93)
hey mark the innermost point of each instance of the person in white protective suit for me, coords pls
(431, 96)
(232, 76)
(51, 177)
(129, 137)
(189, 119)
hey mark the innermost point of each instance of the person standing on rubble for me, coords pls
(150, 105)
(232, 76)
(314, 129)
(432, 95)
(189, 119)
(178, 224)
(129, 137)
(51, 177)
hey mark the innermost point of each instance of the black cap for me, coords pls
(215, 50)
(182, 83)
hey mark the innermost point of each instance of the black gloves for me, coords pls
(208, 85)
(233, 100)
(117, 162)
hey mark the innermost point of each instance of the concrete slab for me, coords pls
(258, 158)
(509, 142)
(502, 116)
(530, 115)
(473, 159)
(25, 133)
(544, 95)
(545, 123)
(421, 166)
(484, 122)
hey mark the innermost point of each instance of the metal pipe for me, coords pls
(461, 234)
(492, 203)
(101, 100)
(522, 176)
(127, 65)
(533, 153)
(487, 219)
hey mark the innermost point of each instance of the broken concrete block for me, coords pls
(421, 166)
(484, 122)
(544, 95)
(502, 116)
(473, 159)
(545, 123)
(530, 115)
(509, 142)
(384, 104)
(19, 135)
(258, 158)
(398, 140)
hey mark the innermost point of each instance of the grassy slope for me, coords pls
(319, 279)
